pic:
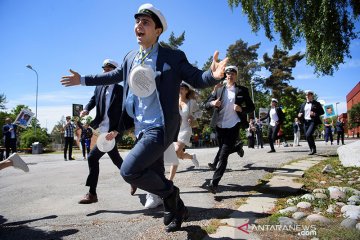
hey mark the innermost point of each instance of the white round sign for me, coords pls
(142, 80)
(104, 145)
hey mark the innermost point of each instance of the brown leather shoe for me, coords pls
(89, 198)
(133, 190)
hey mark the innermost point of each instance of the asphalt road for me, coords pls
(42, 204)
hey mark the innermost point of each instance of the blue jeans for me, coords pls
(143, 167)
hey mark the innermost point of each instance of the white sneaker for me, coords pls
(195, 161)
(152, 201)
(18, 162)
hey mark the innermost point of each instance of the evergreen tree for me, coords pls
(280, 66)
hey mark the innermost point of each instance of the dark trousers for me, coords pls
(309, 128)
(143, 167)
(68, 144)
(273, 135)
(93, 162)
(251, 140)
(328, 134)
(340, 135)
(10, 145)
(259, 139)
(227, 138)
(85, 145)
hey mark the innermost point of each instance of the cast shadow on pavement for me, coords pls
(154, 212)
(19, 231)
(196, 232)
(267, 169)
(224, 191)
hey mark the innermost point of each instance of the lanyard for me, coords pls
(142, 59)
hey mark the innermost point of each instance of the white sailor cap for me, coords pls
(274, 100)
(231, 68)
(110, 63)
(185, 84)
(309, 91)
(149, 10)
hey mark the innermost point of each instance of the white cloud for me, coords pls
(305, 76)
(49, 116)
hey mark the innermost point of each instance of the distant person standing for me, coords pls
(296, 128)
(275, 117)
(259, 133)
(9, 134)
(310, 112)
(340, 124)
(328, 125)
(85, 138)
(251, 133)
(69, 128)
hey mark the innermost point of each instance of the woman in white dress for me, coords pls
(189, 112)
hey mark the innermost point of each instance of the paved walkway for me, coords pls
(42, 204)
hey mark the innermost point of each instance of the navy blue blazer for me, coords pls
(7, 133)
(114, 111)
(172, 67)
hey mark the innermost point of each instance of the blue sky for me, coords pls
(54, 36)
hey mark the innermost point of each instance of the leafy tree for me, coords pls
(354, 116)
(280, 66)
(3, 116)
(327, 26)
(57, 133)
(290, 102)
(28, 137)
(2, 101)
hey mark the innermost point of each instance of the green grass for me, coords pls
(313, 176)
(213, 226)
(311, 180)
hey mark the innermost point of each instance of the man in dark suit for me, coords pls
(107, 99)
(275, 118)
(151, 78)
(340, 124)
(230, 103)
(9, 133)
(309, 114)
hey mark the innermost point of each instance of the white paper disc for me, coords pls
(142, 81)
(104, 145)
